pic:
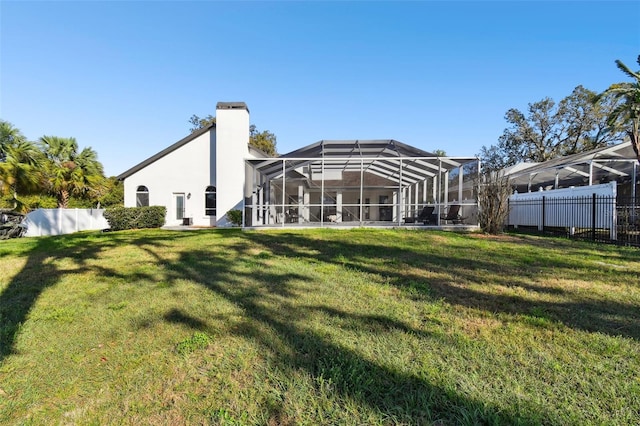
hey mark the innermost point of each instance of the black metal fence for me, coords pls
(597, 218)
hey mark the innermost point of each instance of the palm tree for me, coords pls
(8, 136)
(628, 109)
(19, 163)
(69, 172)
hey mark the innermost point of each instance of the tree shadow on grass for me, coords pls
(42, 270)
(512, 268)
(39, 273)
(177, 316)
(400, 397)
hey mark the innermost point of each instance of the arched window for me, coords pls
(142, 196)
(210, 201)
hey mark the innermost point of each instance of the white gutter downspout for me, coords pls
(400, 196)
(284, 215)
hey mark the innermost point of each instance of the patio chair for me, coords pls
(409, 219)
(453, 215)
(426, 215)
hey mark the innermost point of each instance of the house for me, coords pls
(200, 177)
(351, 182)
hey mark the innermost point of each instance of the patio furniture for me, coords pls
(426, 216)
(453, 215)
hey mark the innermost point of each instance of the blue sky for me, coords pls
(125, 76)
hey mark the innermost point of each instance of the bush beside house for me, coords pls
(121, 218)
(493, 202)
(235, 217)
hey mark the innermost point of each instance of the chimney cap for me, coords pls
(232, 105)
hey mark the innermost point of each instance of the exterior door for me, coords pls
(385, 212)
(179, 203)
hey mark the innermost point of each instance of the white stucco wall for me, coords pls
(187, 170)
(214, 158)
(232, 140)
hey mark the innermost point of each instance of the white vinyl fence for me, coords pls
(572, 208)
(64, 221)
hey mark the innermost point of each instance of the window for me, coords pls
(142, 196)
(210, 201)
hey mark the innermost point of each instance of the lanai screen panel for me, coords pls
(470, 175)
(349, 182)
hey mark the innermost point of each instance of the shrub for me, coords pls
(493, 201)
(81, 203)
(30, 202)
(235, 217)
(120, 218)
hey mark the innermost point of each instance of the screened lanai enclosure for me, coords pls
(613, 163)
(360, 183)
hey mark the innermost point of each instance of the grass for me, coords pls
(317, 327)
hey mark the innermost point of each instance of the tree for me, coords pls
(264, 141)
(494, 158)
(532, 137)
(9, 135)
(584, 122)
(627, 109)
(198, 123)
(440, 153)
(576, 124)
(69, 172)
(19, 163)
(114, 193)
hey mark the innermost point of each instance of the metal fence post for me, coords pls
(613, 234)
(544, 198)
(593, 217)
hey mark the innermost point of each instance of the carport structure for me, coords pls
(357, 183)
(613, 163)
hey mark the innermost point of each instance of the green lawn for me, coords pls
(318, 327)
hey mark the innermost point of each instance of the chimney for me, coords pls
(231, 151)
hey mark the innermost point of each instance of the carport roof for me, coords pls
(616, 160)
